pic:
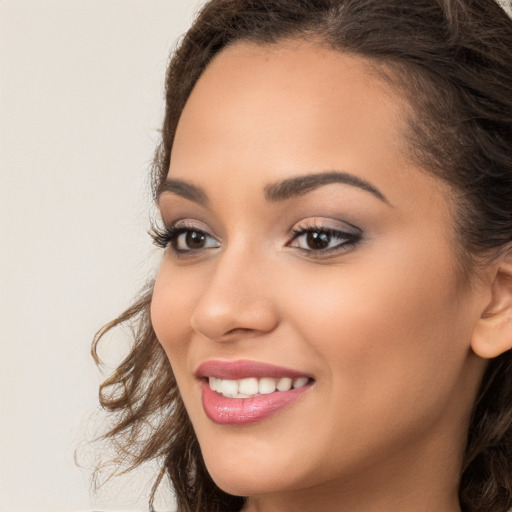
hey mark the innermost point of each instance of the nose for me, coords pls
(236, 301)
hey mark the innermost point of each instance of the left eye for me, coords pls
(192, 240)
(322, 240)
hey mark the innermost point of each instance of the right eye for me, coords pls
(187, 240)
(183, 239)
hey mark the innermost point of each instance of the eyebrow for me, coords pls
(301, 185)
(275, 192)
(183, 189)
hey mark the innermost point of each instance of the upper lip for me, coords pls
(241, 369)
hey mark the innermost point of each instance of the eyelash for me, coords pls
(351, 238)
(163, 237)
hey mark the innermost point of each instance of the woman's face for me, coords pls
(306, 248)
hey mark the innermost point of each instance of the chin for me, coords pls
(248, 479)
(247, 484)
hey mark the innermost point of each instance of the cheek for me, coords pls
(389, 331)
(171, 307)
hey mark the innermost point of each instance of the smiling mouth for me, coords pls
(239, 409)
(253, 387)
(242, 392)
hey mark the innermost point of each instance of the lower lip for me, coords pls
(243, 411)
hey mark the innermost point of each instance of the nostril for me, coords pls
(239, 330)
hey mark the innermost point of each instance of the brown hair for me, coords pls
(453, 61)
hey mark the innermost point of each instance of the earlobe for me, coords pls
(492, 335)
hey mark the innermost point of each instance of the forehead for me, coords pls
(268, 112)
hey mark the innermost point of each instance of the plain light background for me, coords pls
(81, 100)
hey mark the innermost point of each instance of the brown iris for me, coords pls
(318, 240)
(195, 239)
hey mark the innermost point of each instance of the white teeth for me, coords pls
(300, 382)
(249, 387)
(228, 387)
(266, 386)
(284, 384)
(214, 383)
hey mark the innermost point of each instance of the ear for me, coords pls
(492, 335)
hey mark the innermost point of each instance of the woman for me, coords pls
(331, 325)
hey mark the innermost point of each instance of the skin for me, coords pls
(384, 325)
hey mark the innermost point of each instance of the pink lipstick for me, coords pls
(244, 392)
